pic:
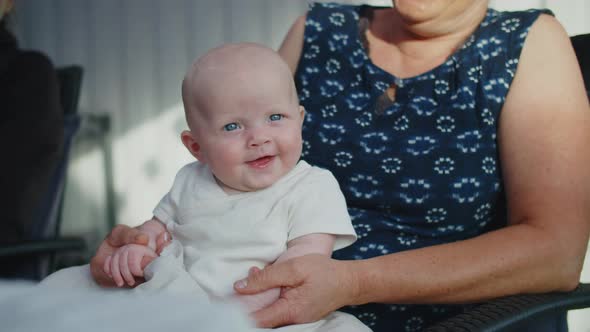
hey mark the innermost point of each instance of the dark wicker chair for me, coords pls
(43, 241)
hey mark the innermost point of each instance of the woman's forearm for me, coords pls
(515, 259)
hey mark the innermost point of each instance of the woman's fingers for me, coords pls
(123, 234)
(312, 286)
(107, 265)
(101, 272)
(253, 270)
(277, 314)
(279, 275)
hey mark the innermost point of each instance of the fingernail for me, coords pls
(242, 283)
(166, 236)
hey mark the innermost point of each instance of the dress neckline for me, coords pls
(364, 14)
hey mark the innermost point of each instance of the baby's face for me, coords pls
(249, 131)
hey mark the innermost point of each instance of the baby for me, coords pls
(248, 201)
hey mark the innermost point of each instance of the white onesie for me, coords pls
(217, 237)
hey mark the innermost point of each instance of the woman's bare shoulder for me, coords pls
(292, 45)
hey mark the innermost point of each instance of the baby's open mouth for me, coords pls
(261, 162)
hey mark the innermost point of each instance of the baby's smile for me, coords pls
(261, 162)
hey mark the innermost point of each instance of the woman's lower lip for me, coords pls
(261, 162)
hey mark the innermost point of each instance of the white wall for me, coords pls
(134, 54)
(573, 14)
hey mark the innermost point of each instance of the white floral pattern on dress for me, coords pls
(424, 169)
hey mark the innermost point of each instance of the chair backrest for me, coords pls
(70, 82)
(49, 214)
(581, 45)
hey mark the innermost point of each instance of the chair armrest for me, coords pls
(36, 247)
(507, 313)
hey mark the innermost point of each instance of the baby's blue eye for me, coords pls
(231, 126)
(276, 117)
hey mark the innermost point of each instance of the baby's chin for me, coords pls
(243, 188)
(250, 183)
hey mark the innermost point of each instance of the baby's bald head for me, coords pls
(231, 71)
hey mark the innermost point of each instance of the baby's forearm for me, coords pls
(153, 227)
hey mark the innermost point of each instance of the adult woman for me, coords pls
(430, 126)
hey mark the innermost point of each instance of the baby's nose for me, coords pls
(258, 138)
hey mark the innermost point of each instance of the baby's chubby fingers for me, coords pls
(137, 257)
(124, 267)
(115, 271)
(135, 264)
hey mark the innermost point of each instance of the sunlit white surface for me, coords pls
(145, 161)
(27, 308)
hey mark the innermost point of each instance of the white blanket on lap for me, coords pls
(69, 301)
(168, 273)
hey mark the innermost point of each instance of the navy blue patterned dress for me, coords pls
(422, 170)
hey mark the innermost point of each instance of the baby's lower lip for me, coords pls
(261, 162)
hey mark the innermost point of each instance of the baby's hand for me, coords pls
(162, 241)
(158, 236)
(127, 263)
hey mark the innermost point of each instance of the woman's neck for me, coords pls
(460, 17)
(407, 47)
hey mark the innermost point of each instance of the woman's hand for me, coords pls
(313, 286)
(120, 236)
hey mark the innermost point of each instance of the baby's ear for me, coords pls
(302, 113)
(191, 144)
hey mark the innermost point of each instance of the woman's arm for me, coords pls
(292, 45)
(544, 133)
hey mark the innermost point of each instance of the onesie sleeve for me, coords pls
(167, 209)
(320, 207)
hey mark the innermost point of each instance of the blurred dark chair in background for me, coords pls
(43, 242)
(581, 45)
